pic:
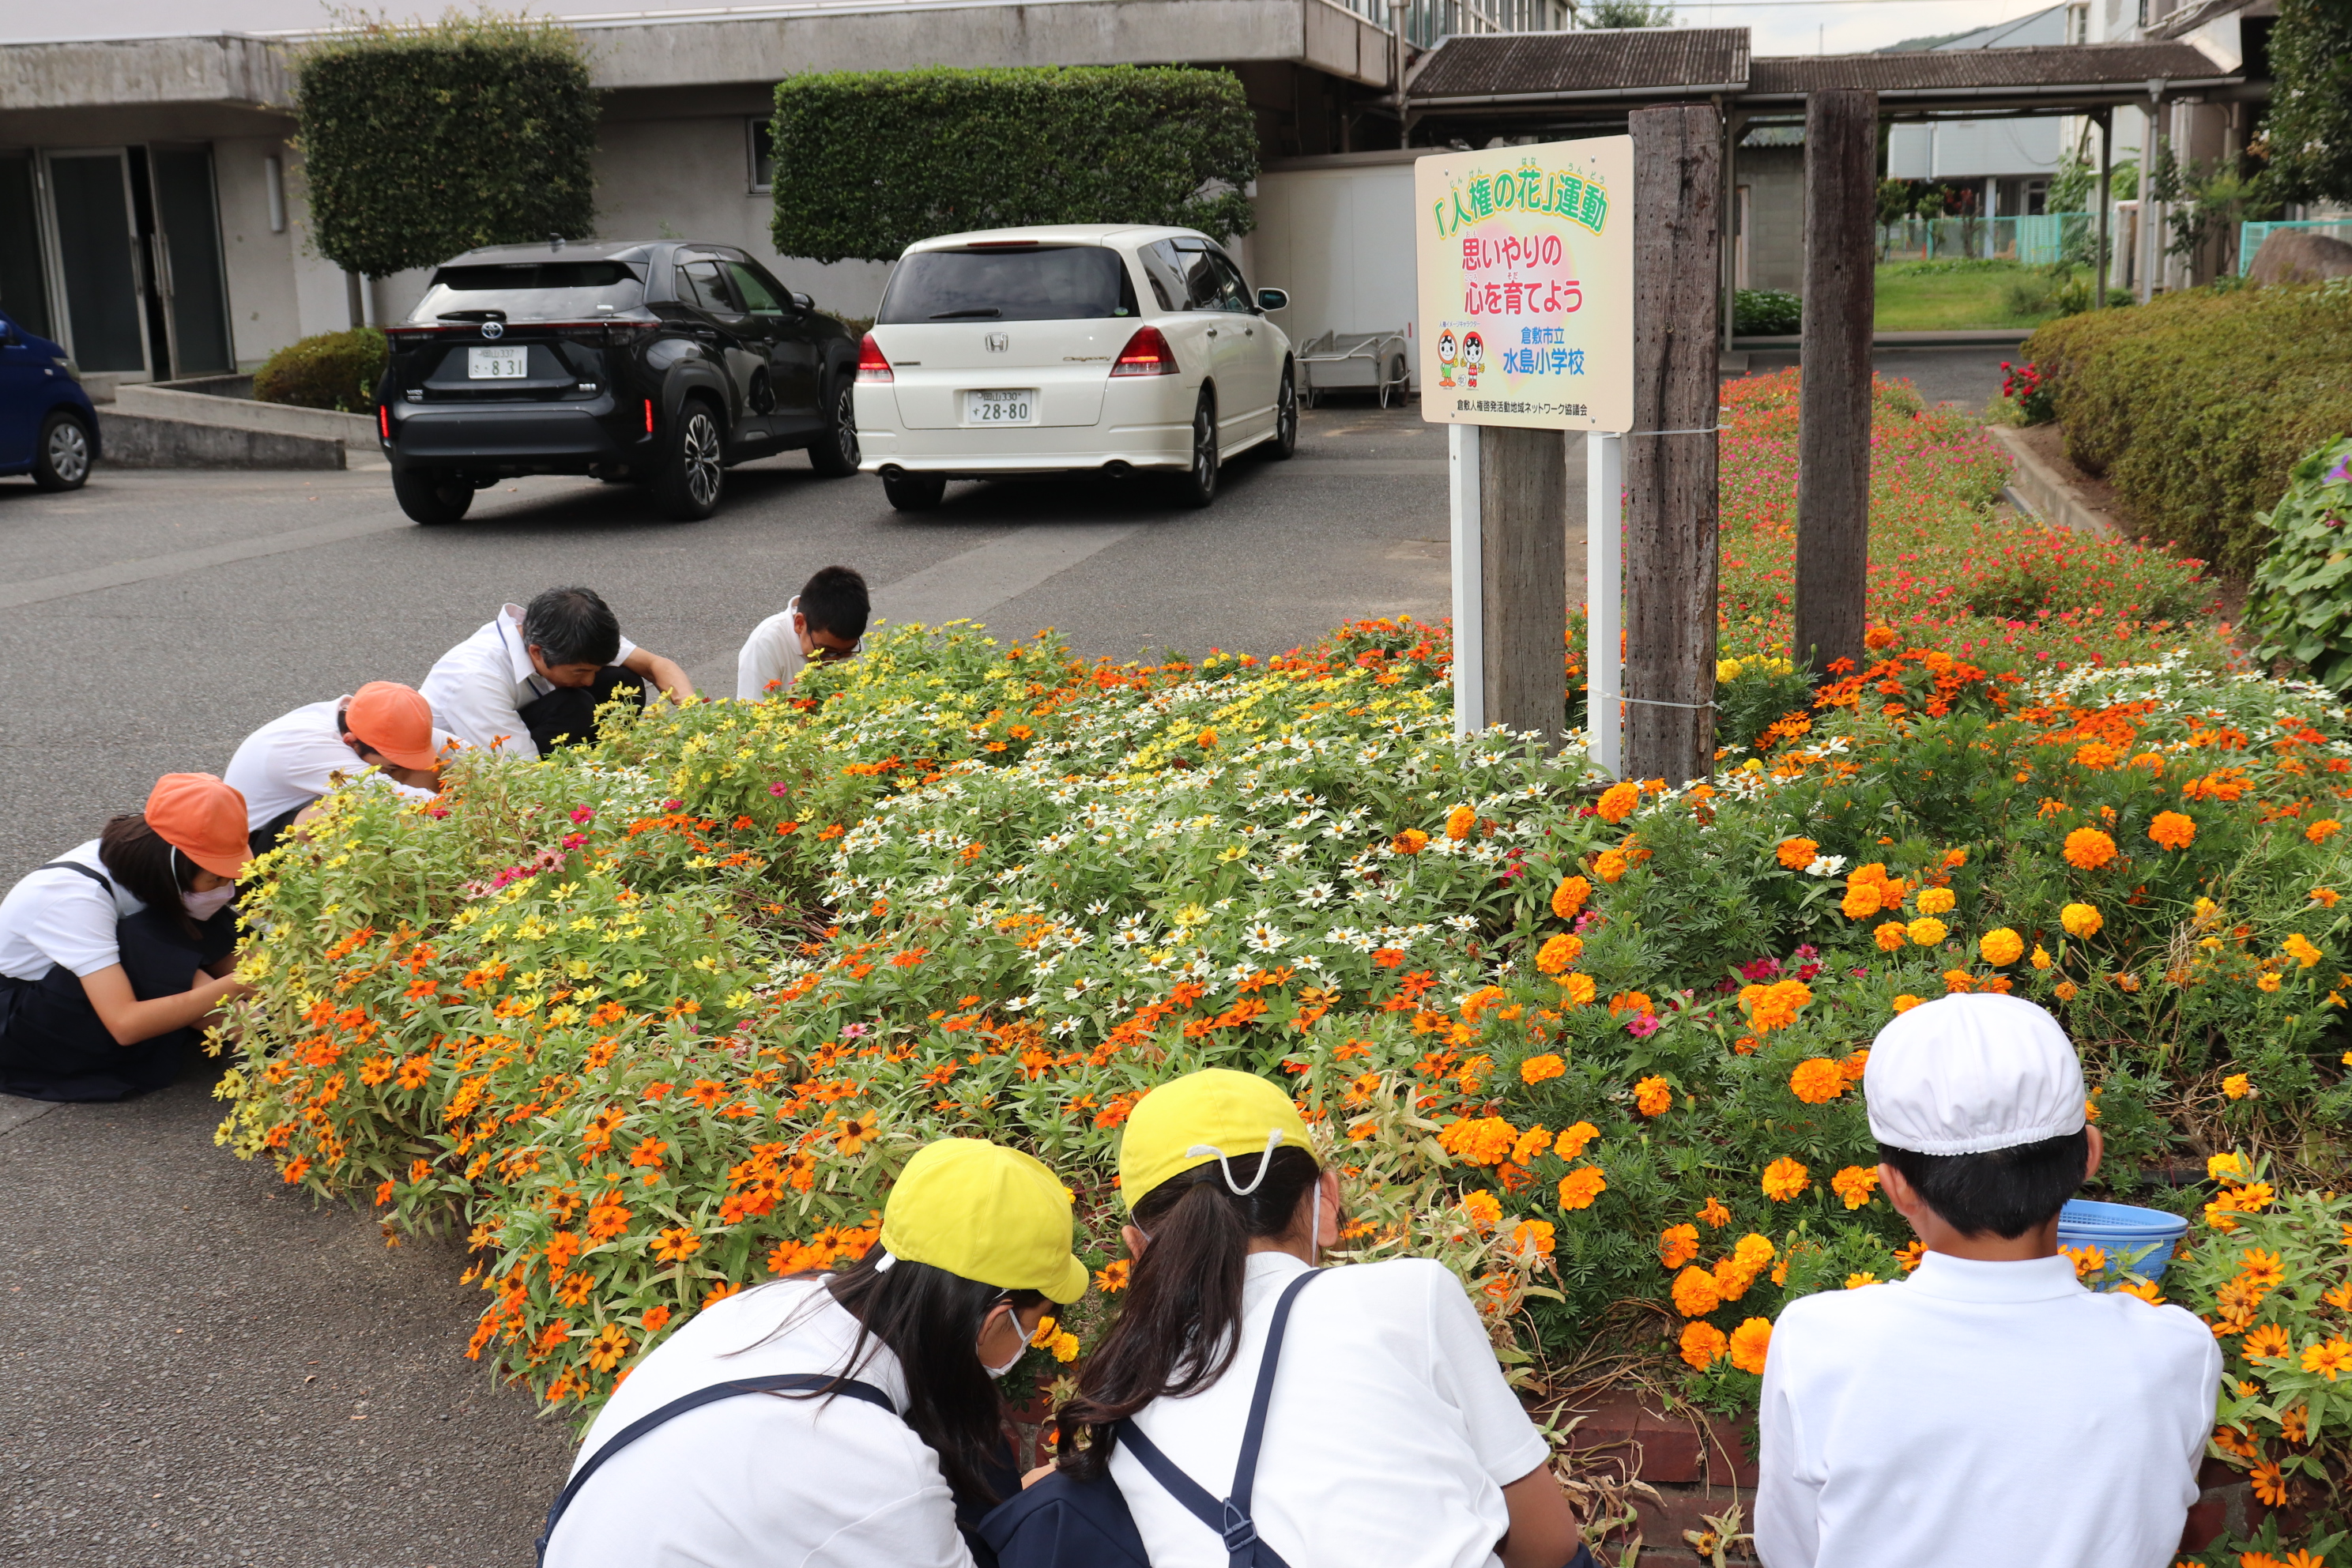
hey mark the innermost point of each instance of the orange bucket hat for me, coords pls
(393, 720)
(202, 818)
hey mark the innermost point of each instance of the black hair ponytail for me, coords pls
(147, 868)
(1181, 1323)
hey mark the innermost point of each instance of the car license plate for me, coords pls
(497, 364)
(998, 408)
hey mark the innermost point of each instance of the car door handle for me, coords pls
(1249, 332)
(1212, 332)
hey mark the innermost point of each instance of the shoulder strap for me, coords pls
(100, 877)
(1231, 1517)
(813, 1383)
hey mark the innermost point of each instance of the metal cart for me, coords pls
(1373, 362)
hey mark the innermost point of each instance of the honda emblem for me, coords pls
(493, 329)
(998, 342)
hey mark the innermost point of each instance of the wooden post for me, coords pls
(1833, 399)
(2101, 266)
(1523, 566)
(1670, 453)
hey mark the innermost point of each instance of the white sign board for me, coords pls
(1526, 257)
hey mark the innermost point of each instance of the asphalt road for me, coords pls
(199, 1368)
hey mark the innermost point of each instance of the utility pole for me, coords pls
(1833, 397)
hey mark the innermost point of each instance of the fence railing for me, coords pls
(2251, 234)
(2038, 239)
(1424, 22)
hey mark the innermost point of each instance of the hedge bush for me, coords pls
(333, 370)
(420, 142)
(2197, 406)
(869, 162)
(1765, 313)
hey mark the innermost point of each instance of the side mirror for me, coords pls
(7, 332)
(802, 302)
(1272, 299)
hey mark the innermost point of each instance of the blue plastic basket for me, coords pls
(2121, 1230)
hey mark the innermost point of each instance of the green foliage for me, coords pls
(420, 142)
(2071, 186)
(2123, 181)
(2209, 200)
(333, 370)
(1766, 312)
(2300, 606)
(1945, 266)
(1627, 14)
(2309, 128)
(869, 162)
(2197, 406)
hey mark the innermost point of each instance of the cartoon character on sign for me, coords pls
(1447, 351)
(1474, 358)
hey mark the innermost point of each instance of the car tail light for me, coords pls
(649, 415)
(1147, 353)
(872, 364)
(383, 421)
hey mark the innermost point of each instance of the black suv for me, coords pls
(659, 361)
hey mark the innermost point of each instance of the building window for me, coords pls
(762, 153)
(2078, 22)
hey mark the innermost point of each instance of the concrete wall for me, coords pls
(1971, 149)
(1337, 232)
(1775, 178)
(264, 314)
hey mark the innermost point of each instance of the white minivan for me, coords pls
(1081, 347)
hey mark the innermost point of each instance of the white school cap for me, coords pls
(1973, 1072)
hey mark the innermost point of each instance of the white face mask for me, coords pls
(1008, 1366)
(205, 905)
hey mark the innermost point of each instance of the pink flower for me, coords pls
(777, 789)
(575, 840)
(582, 813)
(1644, 1025)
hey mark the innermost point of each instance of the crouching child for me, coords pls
(1988, 1409)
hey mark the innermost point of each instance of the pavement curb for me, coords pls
(2044, 493)
(135, 440)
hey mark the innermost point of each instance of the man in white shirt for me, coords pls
(288, 764)
(1989, 1408)
(533, 677)
(823, 621)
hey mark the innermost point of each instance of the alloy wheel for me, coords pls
(845, 426)
(700, 453)
(68, 452)
(1286, 417)
(1205, 447)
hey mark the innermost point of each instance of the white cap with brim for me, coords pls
(1970, 1073)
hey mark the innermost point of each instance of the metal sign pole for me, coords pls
(1469, 582)
(1605, 619)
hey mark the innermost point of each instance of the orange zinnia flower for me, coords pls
(676, 1244)
(605, 1350)
(2329, 1359)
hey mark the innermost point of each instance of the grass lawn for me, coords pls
(1915, 297)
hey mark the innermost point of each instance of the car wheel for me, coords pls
(914, 493)
(430, 499)
(834, 454)
(1199, 485)
(62, 456)
(1286, 420)
(687, 485)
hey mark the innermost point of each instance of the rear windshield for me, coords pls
(1039, 283)
(534, 290)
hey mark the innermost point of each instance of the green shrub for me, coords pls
(2301, 605)
(421, 142)
(1766, 312)
(1939, 266)
(2197, 406)
(333, 370)
(869, 162)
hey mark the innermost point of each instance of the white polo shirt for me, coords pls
(759, 1480)
(1977, 1413)
(1389, 1424)
(773, 652)
(298, 758)
(478, 687)
(52, 918)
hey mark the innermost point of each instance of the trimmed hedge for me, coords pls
(869, 162)
(421, 142)
(333, 370)
(2198, 405)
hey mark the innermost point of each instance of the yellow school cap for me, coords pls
(1190, 1121)
(985, 1212)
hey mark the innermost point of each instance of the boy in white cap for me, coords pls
(1989, 1408)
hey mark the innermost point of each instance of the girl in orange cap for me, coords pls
(114, 956)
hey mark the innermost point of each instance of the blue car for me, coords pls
(47, 427)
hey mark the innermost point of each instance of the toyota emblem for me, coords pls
(998, 342)
(494, 329)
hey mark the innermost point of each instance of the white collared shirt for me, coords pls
(57, 916)
(1977, 1413)
(772, 653)
(478, 687)
(1389, 1424)
(298, 758)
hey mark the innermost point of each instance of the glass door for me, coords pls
(187, 234)
(103, 322)
(23, 272)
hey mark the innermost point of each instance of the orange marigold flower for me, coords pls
(1817, 1080)
(2267, 982)
(1569, 1145)
(1536, 1233)
(1905, 1003)
(1864, 897)
(1569, 898)
(1557, 952)
(2325, 828)
(1412, 841)
(2065, 990)
(1702, 1344)
(2000, 946)
(1785, 1178)
(1854, 1066)
(1609, 865)
(1485, 1212)
(1653, 1097)
(1877, 639)
(1749, 1344)
(1478, 1141)
(2237, 1086)
(2325, 898)
(2087, 849)
(1459, 822)
(1957, 980)
(1890, 935)
(1538, 1069)
(1577, 990)
(2298, 947)
(1775, 1006)
(1854, 1185)
(1677, 1244)
(1715, 1215)
(2082, 920)
(1937, 901)
(1530, 1146)
(2172, 830)
(1618, 801)
(1581, 1186)
(1695, 1294)
(1927, 930)
(1797, 854)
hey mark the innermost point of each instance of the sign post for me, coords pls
(1527, 323)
